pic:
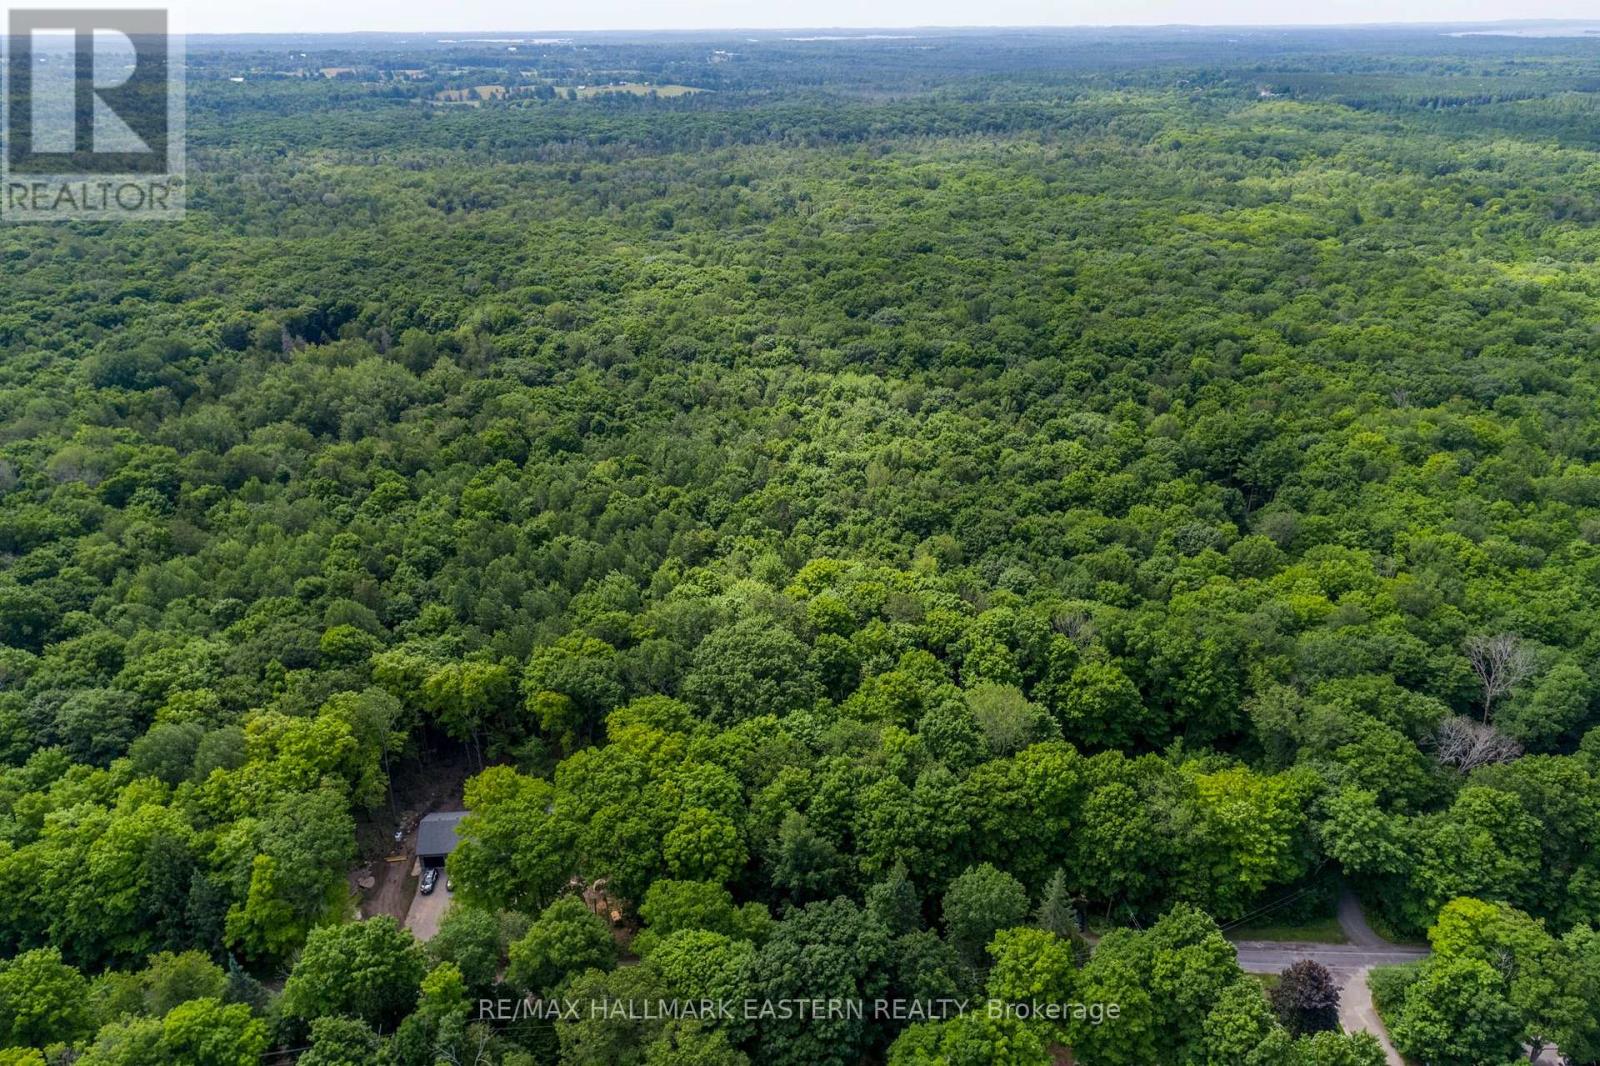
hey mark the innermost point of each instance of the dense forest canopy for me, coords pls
(857, 506)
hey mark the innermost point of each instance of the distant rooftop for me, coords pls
(436, 835)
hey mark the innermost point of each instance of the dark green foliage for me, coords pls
(926, 968)
(944, 483)
(894, 902)
(473, 940)
(567, 939)
(751, 667)
(367, 970)
(173, 979)
(827, 950)
(978, 904)
(1056, 912)
(806, 864)
(1389, 985)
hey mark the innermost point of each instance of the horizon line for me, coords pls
(909, 28)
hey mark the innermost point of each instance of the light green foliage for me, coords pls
(1338, 1049)
(208, 1033)
(1537, 974)
(671, 906)
(1238, 1025)
(444, 993)
(567, 939)
(304, 838)
(1389, 985)
(173, 979)
(1032, 966)
(464, 697)
(21, 1056)
(347, 644)
(1007, 720)
(699, 965)
(1457, 1014)
(1101, 707)
(201, 1032)
(1570, 1020)
(1167, 980)
(970, 1039)
(42, 1000)
(1557, 704)
(703, 845)
(1487, 845)
(691, 1044)
(337, 1041)
(1322, 1049)
(264, 925)
(513, 852)
(1251, 833)
(1361, 836)
(581, 669)
(368, 970)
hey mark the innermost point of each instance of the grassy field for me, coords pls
(476, 94)
(1324, 930)
(638, 89)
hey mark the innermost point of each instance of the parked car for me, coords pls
(430, 880)
(449, 883)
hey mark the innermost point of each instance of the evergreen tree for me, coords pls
(1057, 913)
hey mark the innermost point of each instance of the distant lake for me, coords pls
(1534, 31)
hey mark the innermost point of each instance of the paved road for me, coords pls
(426, 912)
(1349, 964)
(1353, 922)
(1270, 956)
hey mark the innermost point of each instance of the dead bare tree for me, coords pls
(1467, 745)
(1501, 663)
(1076, 626)
(475, 1048)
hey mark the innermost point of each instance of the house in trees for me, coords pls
(436, 836)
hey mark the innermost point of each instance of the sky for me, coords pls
(333, 16)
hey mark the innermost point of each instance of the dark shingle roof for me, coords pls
(436, 835)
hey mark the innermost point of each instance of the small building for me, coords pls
(436, 836)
